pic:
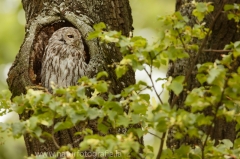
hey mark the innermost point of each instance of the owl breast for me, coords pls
(63, 61)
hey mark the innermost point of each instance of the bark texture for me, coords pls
(46, 16)
(224, 31)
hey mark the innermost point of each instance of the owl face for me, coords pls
(69, 36)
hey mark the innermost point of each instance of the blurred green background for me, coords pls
(145, 14)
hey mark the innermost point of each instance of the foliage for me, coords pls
(219, 91)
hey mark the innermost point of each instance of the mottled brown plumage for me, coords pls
(64, 58)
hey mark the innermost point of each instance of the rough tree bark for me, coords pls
(224, 31)
(43, 18)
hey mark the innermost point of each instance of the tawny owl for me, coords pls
(64, 59)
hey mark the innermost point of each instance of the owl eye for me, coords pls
(70, 36)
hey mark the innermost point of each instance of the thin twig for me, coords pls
(161, 146)
(155, 135)
(159, 98)
(54, 140)
(180, 37)
(161, 92)
(150, 77)
(159, 53)
(143, 89)
(218, 51)
(154, 89)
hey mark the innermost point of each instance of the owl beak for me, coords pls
(63, 40)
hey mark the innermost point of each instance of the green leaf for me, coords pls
(202, 78)
(18, 129)
(145, 97)
(196, 99)
(139, 41)
(202, 9)
(138, 107)
(111, 36)
(228, 7)
(236, 143)
(224, 146)
(231, 16)
(54, 105)
(102, 74)
(215, 73)
(93, 113)
(97, 31)
(167, 153)
(114, 106)
(33, 121)
(161, 79)
(47, 98)
(101, 86)
(99, 26)
(122, 121)
(63, 126)
(162, 125)
(103, 128)
(174, 53)
(77, 116)
(85, 131)
(5, 101)
(112, 114)
(236, 51)
(90, 141)
(80, 91)
(135, 118)
(227, 60)
(216, 93)
(121, 70)
(177, 84)
(204, 120)
(96, 100)
(38, 131)
(18, 108)
(182, 152)
(237, 45)
(137, 131)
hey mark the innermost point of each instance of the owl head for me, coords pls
(68, 36)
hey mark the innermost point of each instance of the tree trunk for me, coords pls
(46, 16)
(224, 31)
